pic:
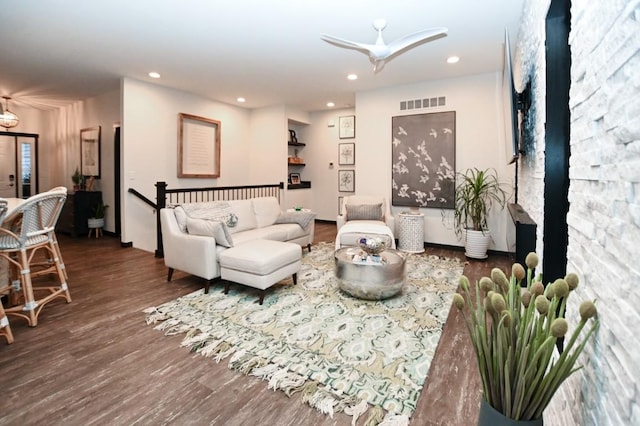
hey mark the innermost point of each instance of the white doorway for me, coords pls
(18, 165)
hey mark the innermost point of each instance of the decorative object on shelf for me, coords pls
(347, 154)
(423, 146)
(7, 118)
(76, 178)
(346, 180)
(294, 178)
(372, 246)
(381, 53)
(347, 127)
(293, 139)
(475, 192)
(90, 151)
(198, 147)
(514, 336)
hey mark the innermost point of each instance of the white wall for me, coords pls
(479, 142)
(59, 140)
(322, 149)
(150, 146)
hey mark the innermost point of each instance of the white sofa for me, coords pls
(190, 244)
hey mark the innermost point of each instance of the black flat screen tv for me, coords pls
(510, 106)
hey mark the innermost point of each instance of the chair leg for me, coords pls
(169, 274)
(295, 279)
(5, 328)
(207, 284)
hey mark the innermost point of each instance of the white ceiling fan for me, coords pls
(380, 53)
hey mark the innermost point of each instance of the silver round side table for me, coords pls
(411, 232)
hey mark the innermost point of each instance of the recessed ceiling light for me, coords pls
(453, 59)
(352, 76)
(154, 74)
(241, 99)
(330, 104)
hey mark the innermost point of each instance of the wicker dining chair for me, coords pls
(27, 231)
(5, 287)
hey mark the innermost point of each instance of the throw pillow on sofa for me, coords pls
(210, 228)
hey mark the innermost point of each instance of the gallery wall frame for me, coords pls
(347, 127)
(346, 180)
(198, 147)
(423, 153)
(347, 154)
(90, 144)
(294, 178)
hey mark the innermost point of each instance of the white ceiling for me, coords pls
(269, 51)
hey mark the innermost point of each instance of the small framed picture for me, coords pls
(347, 127)
(346, 180)
(294, 178)
(347, 154)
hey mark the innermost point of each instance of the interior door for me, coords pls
(18, 165)
(8, 172)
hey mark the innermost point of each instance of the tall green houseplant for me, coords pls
(514, 334)
(475, 193)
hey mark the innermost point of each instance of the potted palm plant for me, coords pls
(97, 218)
(476, 191)
(514, 334)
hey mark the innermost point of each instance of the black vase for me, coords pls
(489, 416)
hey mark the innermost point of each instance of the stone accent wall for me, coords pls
(604, 195)
(530, 67)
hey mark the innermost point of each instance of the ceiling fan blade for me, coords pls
(412, 40)
(340, 42)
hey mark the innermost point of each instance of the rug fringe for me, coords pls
(395, 420)
(355, 411)
(376, 414)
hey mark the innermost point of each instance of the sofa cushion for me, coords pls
(181, 218)
(267, 233)
(266, 210)
(243, 210)
(210, 228)
(364, 211)
(301, 218)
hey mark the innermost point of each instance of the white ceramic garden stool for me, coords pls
(260, 264)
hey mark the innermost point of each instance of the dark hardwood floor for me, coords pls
(95, 361)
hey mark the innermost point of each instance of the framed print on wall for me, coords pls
(198, 147)
(294, 178)
(90, 152)
(346, 154)
(346, 180)
(423, 154)
(347, 127)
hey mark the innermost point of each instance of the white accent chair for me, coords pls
(365, 216)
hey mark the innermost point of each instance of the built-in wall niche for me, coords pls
(18, 165)
(295, 156)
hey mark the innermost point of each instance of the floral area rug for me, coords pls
(344, 354)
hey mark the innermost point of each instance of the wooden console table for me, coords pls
(77, 210)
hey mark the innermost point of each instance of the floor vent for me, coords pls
(423, 103)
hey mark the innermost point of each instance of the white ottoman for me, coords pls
(260, 264)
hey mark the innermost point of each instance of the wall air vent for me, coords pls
(423, 103)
